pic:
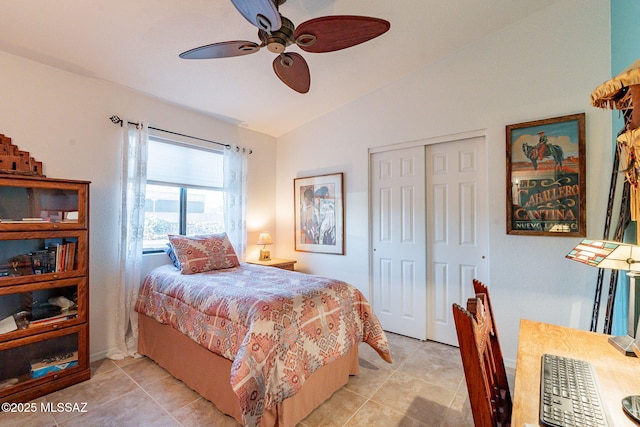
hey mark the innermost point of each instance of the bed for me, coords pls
(265, 345)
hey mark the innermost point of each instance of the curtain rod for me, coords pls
(117, 120)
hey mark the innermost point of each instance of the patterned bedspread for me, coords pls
(276, 326)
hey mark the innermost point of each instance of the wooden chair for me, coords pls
(481, 288)
(484, 372)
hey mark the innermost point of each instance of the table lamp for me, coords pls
(615, 256)
(264, 239)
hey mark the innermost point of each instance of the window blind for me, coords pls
(183, 165)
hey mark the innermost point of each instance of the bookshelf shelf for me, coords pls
(44, 285)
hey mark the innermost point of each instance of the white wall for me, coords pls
(544, 66)
(62, 120)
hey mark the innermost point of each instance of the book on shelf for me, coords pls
(65, 315)
(56, 257)
(22, 220)
(53, 363)
(70, 256)
(60, 254)
(66, 253)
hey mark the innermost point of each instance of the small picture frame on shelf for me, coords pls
(53, 216)
(39, 261)
(71, 216)
(42, 262)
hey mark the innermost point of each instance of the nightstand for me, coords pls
(285, 264)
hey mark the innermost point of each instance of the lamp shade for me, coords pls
(265, 239)
(607, 254)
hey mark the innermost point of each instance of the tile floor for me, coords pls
(424, 386)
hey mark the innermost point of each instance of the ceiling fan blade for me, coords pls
(331, 33)
(293, 70)
(221, 50)
(261, 13)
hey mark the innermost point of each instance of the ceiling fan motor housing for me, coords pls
(279, 39)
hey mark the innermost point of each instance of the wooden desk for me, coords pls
(618, 375)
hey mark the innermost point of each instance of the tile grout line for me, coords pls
(367, 399)
(147, 393)
(47, 397)
(370, 399)
(413, 350)
(461, 384)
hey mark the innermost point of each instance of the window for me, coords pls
(184, 192)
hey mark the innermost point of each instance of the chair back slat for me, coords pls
(484, 369)
(481, 288)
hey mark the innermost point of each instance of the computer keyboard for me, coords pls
(569, 394)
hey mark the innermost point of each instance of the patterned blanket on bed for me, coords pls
(277, 326)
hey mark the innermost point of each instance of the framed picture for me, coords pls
(546, 181)
(319, 215)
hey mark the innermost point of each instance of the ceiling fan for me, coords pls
(319, 35)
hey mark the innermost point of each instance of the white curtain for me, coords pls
(133, 182)
(235, 186)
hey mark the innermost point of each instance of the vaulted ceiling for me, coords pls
(136, 44)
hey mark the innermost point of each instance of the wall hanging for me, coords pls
(319, 216)
(546, 181)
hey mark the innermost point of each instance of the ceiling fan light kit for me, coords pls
(276, 32)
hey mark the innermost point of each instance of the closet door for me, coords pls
(399, 240)
(457, 229)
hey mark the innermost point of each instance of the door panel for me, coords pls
(399, 241)
(440, 289)
(429, 234)
(456, 229)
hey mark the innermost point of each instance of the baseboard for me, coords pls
(99, 355)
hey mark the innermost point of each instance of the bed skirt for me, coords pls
(209, 374)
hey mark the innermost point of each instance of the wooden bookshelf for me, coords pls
(44, 285)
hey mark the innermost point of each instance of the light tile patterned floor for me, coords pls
(424, 386)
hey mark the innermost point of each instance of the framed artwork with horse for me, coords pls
(546, 180)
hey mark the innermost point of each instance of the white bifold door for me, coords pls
(399, 241)
(429, 234)
(457, 226)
